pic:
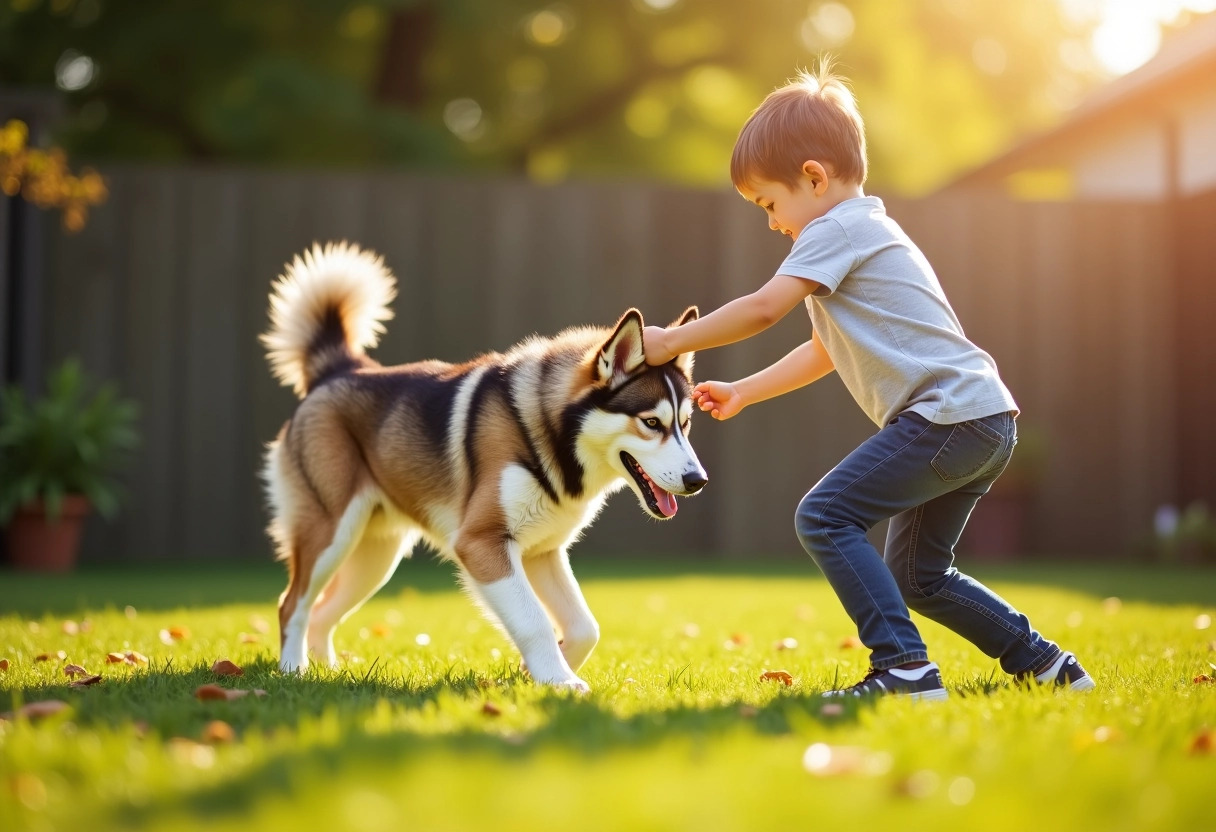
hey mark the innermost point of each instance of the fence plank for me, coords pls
(166, 291)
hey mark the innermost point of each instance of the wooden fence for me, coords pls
(165, 291)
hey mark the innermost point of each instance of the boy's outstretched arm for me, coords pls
(739, 319)
(804, 364)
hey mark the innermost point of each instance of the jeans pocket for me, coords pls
(969, 447)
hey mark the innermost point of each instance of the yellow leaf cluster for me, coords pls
(43, 177)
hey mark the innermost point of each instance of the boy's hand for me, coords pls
(654, 342)
(721, 399)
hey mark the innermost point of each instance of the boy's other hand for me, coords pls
(719, 398)
(654, 342)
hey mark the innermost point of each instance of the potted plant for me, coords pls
(57, 454)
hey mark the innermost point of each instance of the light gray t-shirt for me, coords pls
(886, 323)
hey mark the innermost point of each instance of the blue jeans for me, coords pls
(927, 478)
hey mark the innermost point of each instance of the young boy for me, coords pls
(881, 320)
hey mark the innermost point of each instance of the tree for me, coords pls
(638, 88)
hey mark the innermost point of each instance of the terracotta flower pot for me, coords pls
(37, 544)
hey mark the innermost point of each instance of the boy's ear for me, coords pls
(818, 174)
(684, 362)
(621, 355)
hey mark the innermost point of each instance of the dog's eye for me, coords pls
(652, 423)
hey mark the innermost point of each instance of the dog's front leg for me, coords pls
(555, 585)
(496, 575)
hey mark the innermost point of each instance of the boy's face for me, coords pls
(789, 211)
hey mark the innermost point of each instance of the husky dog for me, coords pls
(497, 463)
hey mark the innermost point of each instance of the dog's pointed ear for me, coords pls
(684, 362)
(621, 355)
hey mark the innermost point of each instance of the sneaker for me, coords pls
(920, 683)
(1066, 672)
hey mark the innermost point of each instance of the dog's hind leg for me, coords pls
(367, 568)
(554, 583)
(316, 557)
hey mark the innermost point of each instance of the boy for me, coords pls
(945, 418)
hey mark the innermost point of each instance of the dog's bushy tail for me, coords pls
(326, 308)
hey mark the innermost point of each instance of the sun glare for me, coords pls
(1129, 31)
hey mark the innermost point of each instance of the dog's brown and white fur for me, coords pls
(497, 463)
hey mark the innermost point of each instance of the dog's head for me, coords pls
(641, 422)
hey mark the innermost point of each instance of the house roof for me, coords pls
(1185, 63)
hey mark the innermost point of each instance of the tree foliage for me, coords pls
(636, 88)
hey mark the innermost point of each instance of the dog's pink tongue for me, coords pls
(665, 500)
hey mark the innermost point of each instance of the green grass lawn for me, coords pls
(429, 725)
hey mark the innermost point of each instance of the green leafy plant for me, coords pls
(66, 442)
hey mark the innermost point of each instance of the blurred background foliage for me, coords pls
(645, 89)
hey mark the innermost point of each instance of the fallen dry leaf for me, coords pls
(38, 710)
(3, 664)
(1203, 679)
(823, 760)
(173, 635)
(786, 643)
(45, 657)
(218, 731)
(740, 638)
(86, 681)
(1204, 742)
(249, 638)
(850, 643)
(71, 670)
(490, 709)
(381, 629)
(215, 692)
(135, 657)
(777, 676)
(223, 667)
(116, 658)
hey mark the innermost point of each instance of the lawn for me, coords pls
(429, 725)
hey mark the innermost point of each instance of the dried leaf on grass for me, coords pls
(37, 710)
(172, 635)
(1204, 742)
(73, 670)
(46, 657)
(490, 709)
(1203, 679)
(85, 681)
(823, 760)
(850, 643)
(3, 664)
(216, 693)
(777, 676)
(127, 657)
(250, 638)
(223, 667)
(218, 731)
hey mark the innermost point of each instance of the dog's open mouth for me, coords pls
(660, 502)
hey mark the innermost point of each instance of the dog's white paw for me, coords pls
(576, 684)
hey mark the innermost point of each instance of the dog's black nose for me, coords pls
(694, 482)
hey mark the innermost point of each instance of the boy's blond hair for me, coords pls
(814, 116)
